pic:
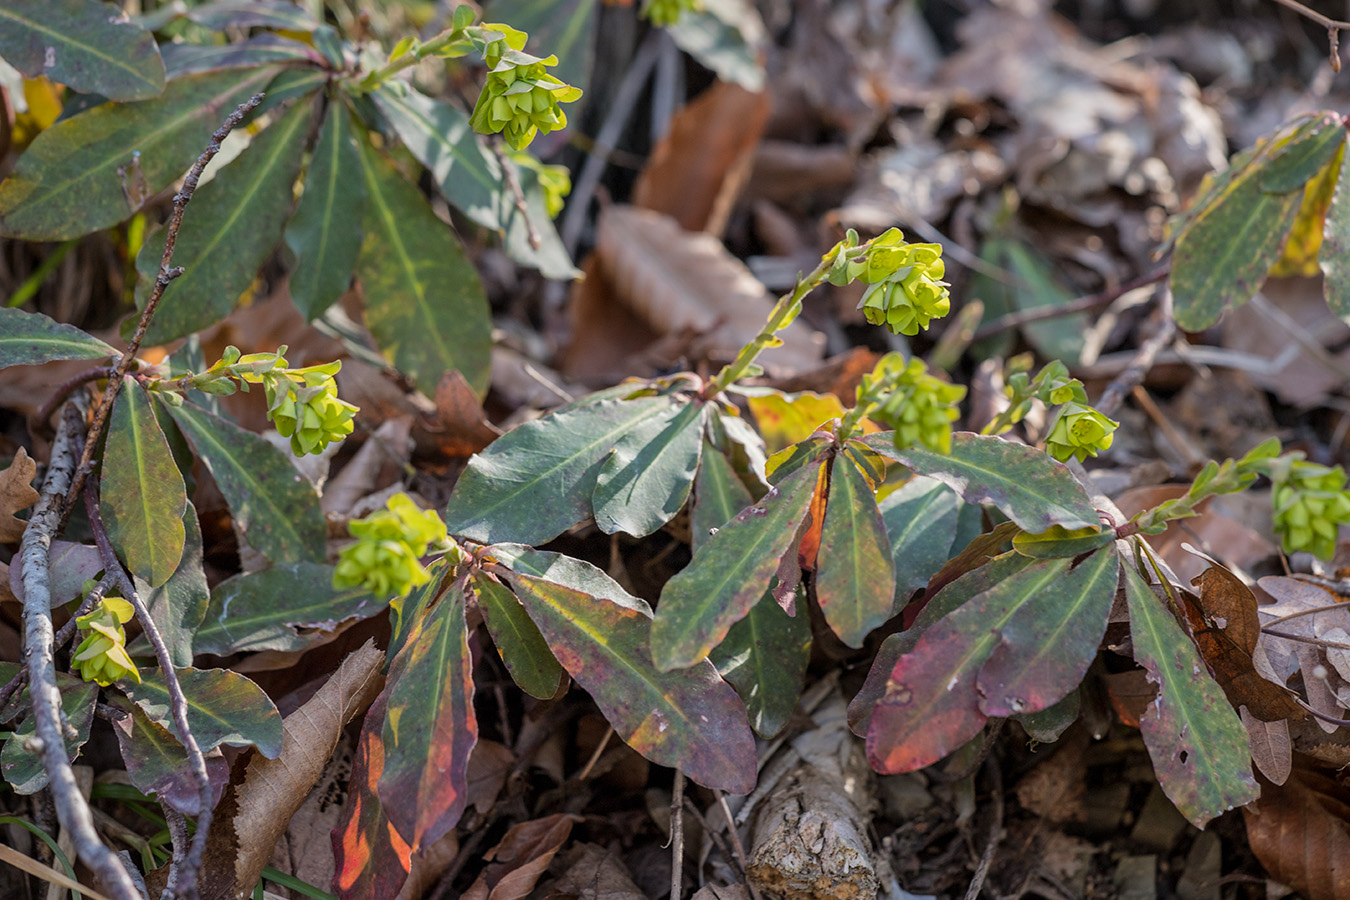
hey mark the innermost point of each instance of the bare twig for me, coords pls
(517, 194)
(1083, 304)
(1333, 27)
(166, 274)
(178, 706)
(995, 833)
(178, 835)
(1143, 360)
(677, 836)
(34, 551)
(65, 390)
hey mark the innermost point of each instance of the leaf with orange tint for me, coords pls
(520, 857)
(1195, 739)
(687, 718)
(461, 428)
(1225, 627)
(1301, 833)
(371, 860)
(785, 419)
(855, 581)
(933, 697)
(430, 727)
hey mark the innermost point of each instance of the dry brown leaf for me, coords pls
(1301, 833)
(16, 493)
(698, 169)
(379, 463)
(269, 792)
(521, 857)
(1272, 749)
(428, 866)
(1225, 628)
(681, 281)
(722, 892)
(490, 764)
(460, 428)
(593, 873)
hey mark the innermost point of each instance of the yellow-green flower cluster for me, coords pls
(102, 656)
(921, 409)
(667, 12)
(1079, 432)
(519, 99)
(304, 405)
(907, 291)
(390, 543)
(1310, 505)
(554, 181)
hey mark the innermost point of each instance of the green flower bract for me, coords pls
(101, 656)
(1079, 432)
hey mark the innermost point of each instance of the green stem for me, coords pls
(407, 59)
(784, 311)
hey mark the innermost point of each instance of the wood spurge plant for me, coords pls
(978, 576)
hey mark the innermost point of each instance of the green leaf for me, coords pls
(719, 494)
(1061, 541)
(571, 573)
(1024, 483)
(855, 577)
(96, 168)
(730, 573)
(535, 482)
(143, 496)
(262, 49)
(424, 303)
(470, 177)
(30, 339)
(1334, 254)
(430, 728)
(1311, 147)
(223, 707)
(22, 767)
(1047, 646)
(277, 14)
(725, 36)
(764, 657)
(86, 45)
(178, 605)
(931, 705)
(688, 719)
(650, 470)
(229, 229)
(325, 233)
(921, 518)
(157, 763)
(565, 29)
(1197, 742)
(522, 648)
(284, 607)
(1048, 724)
(274, 506)
(1222, 257)
(1033, 286)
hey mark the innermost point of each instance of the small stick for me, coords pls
(34, 551)
(166, 274)
(1088, 303)
(595, 757)
(1143, 360)
(517, 194)
(178, 705)
(93, 597)
(995, 834)
(677, 836)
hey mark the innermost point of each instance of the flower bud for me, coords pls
(102, 656)
(1079, 432)
(1310, 504)
(386, 557)
(907, 291)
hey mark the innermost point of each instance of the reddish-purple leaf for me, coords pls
(931, 705)
(371, 860)
(430, 728)
(157, 763)
(687, 718)
(1047, 646)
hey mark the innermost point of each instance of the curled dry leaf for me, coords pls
(259, 804)
(1272, 750)
(16, 493)
(698, 169)
(680, 281)
(521, 857)
(1301, 833)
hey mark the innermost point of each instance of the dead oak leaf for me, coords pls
(16, 493)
